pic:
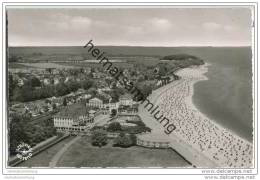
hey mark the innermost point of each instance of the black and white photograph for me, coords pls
(130, 87)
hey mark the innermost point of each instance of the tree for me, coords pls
(17, 132)
(54, 106)
(133, 138)
(12, 84)
(113, 112)
(14, 58)
(87, 84)
(21, 130)
(123, 140)
(114, 126)
(47, 101)
(73, 86)
(99, 138)
(61, 89)
(64, 102)
(35, 82)
(146, 89)
(23, 94)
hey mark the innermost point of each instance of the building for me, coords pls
(87, 96)
(108, 107)
(95, 102)
(56, 80)
(46, 81)
(20, 82)
(126, 100)
(74, 119)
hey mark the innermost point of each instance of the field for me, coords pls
(18, 66)
(83, 154)
(94, 65)
(46, 65)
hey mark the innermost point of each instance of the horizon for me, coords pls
(127, 46)
(144, 27)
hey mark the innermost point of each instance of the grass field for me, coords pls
(83, 154)
(42, 159)
(95, 65)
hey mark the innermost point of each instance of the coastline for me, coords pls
(213, 142)
(190, 101)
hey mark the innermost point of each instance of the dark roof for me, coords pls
(73, 111)
(126, 96)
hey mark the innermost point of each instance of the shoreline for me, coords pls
(207, 140)
(191, 103)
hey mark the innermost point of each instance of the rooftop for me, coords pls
(74, 111)
(95, 99)
(126, 96)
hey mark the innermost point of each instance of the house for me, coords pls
(95, 102)
(56, 80)
(69, 78)
(80, 91)
(126, 100)
(87, 70)
(20, 82)
(92, 113)
(55, 71)
(33, 109)
(119, 85)
(58, 101)
(73, 119)
(87, 96)
(109, 106)
(46, 81)
(96, 75)
(19, 108)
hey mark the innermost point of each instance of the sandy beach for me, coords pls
(197, 138)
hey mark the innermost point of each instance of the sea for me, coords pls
(226, 97)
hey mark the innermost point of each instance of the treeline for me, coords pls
(21, 130)
(30, 93)
(182, 61)
(179, 57)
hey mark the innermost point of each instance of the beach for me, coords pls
(197, 138)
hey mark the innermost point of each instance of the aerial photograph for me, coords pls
(132, 87)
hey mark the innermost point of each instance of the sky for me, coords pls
(161, 26)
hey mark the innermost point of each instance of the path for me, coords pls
(58, 155)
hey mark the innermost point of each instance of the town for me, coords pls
(57, 99)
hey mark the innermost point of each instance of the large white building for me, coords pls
(126, 100)
(95, 102)
(73, 119)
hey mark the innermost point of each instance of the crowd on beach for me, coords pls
(217, 143)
